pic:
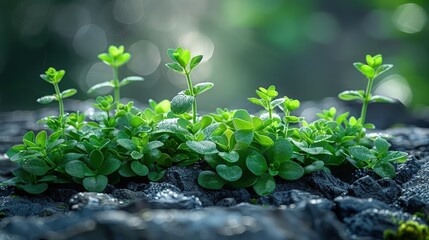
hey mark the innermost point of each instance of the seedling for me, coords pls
(408, 230)
(115, 58)
(54, 77)
(371, 71)
(184, 64)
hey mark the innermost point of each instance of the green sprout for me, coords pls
(371, 70)
(267, 99)
(115, 57)
(184, 64)
(408, 230)
(54, 77)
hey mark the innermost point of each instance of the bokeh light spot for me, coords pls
(410, 18)
(198, 44)
(89, 41)
(146, 57)
(98, 73)
(396, 87)
(128, 11)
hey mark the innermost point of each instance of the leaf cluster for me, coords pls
(235, 148)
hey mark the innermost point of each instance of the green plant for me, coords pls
(371, 70)
(409, 230)
(184, 64)
(115, 58)
(235, 148)
(54, 77)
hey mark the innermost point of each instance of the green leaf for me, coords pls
(41, 139)
(381, 145)
(109, 166)
(383, 68)
(109, 84)
(96, 158)
(136, 121)
(184, 58)
(153, 145)
(202, 147)
(95, 184)
(68, 93)
(136, 155)
(47, 99)
(181, 103)
(130, 79)
(127, 144)
(382, 99)
(290, 170)
(255, 101)
(263, 140)
(281, 151)
(35, 188)
(139, 169)
(170, 53)
(240, 124)
(352, 95)
(243, 115)
(257, 164)
(155, 176)
(202, 87)
(361, 153)
(176, 67)
(244, 137)
(264, 185)
(385, 169)
(29, 136)
(210, 180)
(365, 69)
(277, 102)
(36, 166)
(231, 157)
(77, 168)
(126, 171)
(229, 173)
(122, 59)
(106, 58)
(395, 156)
(313, 167)
(195, 61)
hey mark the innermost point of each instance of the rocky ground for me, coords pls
(343, 205)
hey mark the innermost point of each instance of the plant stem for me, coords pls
(366, 100)
(287, 113)
(61, 107)
(191, 91)
(116, 93)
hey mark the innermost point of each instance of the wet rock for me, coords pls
(373, 222)
(14, 205)
(405, 171)
(385, 190)
(349, 206)
(296, 198)
(92, 200)
(408, 138)
(415, 196)
(240, 222)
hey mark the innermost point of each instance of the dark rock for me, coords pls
(240, 222)
(408, 138)
(226, 202)
(296, 198)
(373, 222)
(320, 183)
(14, 205)
(415, 195)
(405, 171)
(349, 206)
(385, 190)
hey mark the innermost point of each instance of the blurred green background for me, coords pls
(306, 48)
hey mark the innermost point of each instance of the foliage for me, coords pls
(409, 230)
(236, 149)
